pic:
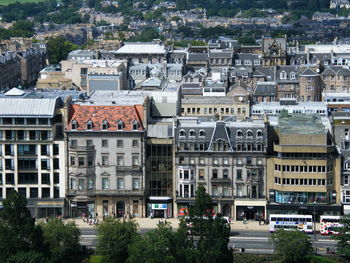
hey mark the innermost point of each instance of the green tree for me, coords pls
(18, 233)
(343, 239)
(63, 241)
(114, 237)
(162, 245)
(28, 257)
(245, 40)
(58, 49)
(291, 246)
(210, 235)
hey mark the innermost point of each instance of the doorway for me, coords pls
(120, 208)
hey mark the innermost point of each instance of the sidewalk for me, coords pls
(148, 223)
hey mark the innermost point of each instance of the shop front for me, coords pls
(159, 207)
(250, 210)
(80, 208)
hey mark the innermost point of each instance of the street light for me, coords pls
(315, 225)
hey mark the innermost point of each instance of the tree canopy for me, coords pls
(343, 238)
(58, 49)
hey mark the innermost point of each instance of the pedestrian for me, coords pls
(259, 220)
(47, 220)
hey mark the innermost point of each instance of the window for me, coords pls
(90, 160)
(105, 183)
(104, 125)
(120, 183)
(89, 143)
(259, 134)
(33, 192)
(81, 183)
(283, 75)
(135, 160)
(45, 178)
(225, 160)
(120, 143)
(135, 143)
(239, 134)
(182, 133)
(74, 125)
(56, 178)
(215, 173)
(73, 184)
(56, 192)
(73, 143)
(45, 164)
(120, 160)
(45, 192)
(135, 125)
(105, 160)
(239, 175)
(89, 125)
(225, 173)
(81, 161)
(104, 143)
(192, 133)
(249, 134)
(201, 173)
(56, 149)
(120, 125)
(135, 183)
(56, 163)
(10, 178)
(90, 184)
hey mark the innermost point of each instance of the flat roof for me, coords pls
(301, 124)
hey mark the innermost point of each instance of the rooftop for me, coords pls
(301, 124)
(141, 48)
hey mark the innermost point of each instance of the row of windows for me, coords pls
(304, 182)
(105, 125)
(303, 168)
(82, 161)
(191, 110)
(220, 161)
(189, 174)
(82, 184)
(29, 178)
(277, 111)
(30, 121)
(220, 146)
(30, 149)
(239, 133)
(30, 164)
(105, 143)
(32, 193)
(22, 135)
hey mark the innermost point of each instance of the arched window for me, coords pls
(182, 133)
(135, 125)
(259, 147)
(259, 134)
(283, 75)
(104, 125)
(120, 125)
(292, 75)
(249, 134)
(74, 125)
(239, 147)
(192, 133)
(239, 133)
(249, 147)
(201, 133)
(89, 125)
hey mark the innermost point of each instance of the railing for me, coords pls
(82, 148)
(135, 168)
(106, 192)
(220, 180)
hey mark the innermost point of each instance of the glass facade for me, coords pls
(159, 169)
(303, 197)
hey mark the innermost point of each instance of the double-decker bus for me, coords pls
(291, 222)
(328, 225)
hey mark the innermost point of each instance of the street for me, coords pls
(251, 241)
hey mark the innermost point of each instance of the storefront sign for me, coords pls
(159, 206)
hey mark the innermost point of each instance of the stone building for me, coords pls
(228, 158)
(274, 51)
(106, 153)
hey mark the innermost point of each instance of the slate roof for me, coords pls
(220, 134)
(112, 114)
(265, 89)
(197, 57)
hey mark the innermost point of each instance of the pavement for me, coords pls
(148, 223)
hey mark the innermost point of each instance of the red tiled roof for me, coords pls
(112, 114)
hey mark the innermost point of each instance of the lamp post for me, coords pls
(315, 225)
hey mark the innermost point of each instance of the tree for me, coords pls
(63, 241)
(18, 232)
(291, 246)
(343, 238)
(161, 245)
(210, 235)
(58, 49)
(28, 257)
(114, 237)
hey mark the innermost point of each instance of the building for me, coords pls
(228, 158)
(274, 51)
(106, 153)
(10, 71)
(303, 174)
(33, 149)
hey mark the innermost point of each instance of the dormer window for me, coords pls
(104, 125)
(283, 75)
(292, 75)
(192, 133)
(259, 134)
(239, 133)
(89, 125)
(74, 125)
(135, 125)
(182, 133)
(201, 133)
(120, 125)
(249, 134)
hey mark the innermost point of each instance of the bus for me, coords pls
(291, 222)
(328, 225)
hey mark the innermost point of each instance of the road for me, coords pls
(251, 241)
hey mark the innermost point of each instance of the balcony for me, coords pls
(128, 169)
(121, 192)
(82, 148)
(220, 180)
